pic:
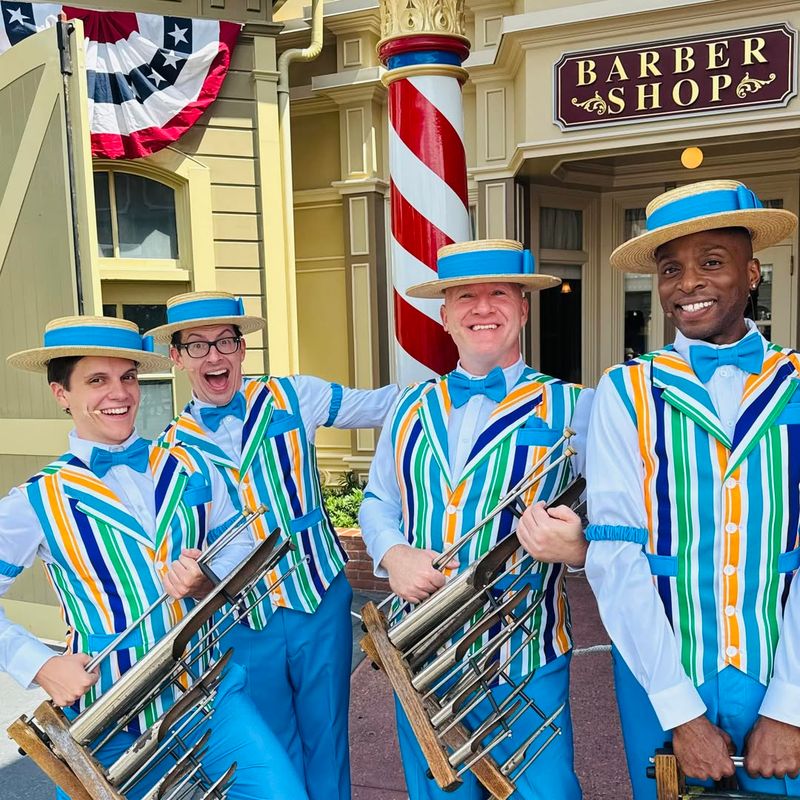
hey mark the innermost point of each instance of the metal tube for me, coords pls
(516, 758)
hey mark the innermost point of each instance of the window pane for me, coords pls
(634, 222)
(155, 410)
(145, 217)
(560, 228)
(777, 203)
(102, 209)
(147, 316)
(109, 310)
(638, 301)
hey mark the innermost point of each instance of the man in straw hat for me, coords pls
(117, 520)
(296, 644)
(693, 460)
(450, 449)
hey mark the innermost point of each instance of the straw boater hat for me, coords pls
(702, 206)
(197, 309)
(483, 261)
(91, 336)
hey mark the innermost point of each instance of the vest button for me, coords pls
(729, 569)
(731, 651)
(730, 611)
(731, 527)
(731, 483)
(160, 565)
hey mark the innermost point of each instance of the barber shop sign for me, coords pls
(754, 67)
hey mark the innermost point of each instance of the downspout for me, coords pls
(284, 131)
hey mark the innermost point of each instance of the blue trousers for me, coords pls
(298, 677)
(551, 776)
(238, 734)
(732, 699)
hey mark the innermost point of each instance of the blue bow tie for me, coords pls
(462, 387)
(213, 415)
(135, 456)
(748, 355)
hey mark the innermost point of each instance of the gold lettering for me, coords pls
(684, 59)
(716, 52)
(647, 63)
(718, 83)
(753, 45)
(654, 96)
(586, 74)
(693, 95)
(617, 71)
(616, 98)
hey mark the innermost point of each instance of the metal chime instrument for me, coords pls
(66, 750)
(443, 657)
(671, 783)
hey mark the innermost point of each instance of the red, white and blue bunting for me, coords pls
(150, 77)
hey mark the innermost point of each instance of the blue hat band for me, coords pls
(206, 308)
(486, 264)
(96, 336)
(717, 201)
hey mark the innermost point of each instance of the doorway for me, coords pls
(561, 323)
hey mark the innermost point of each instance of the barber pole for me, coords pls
(428, 169)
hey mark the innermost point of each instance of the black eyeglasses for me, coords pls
(200, 348)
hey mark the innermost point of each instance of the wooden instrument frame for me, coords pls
(419, 710)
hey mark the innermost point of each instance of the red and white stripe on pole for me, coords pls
(429, 206)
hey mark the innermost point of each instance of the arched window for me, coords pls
(136, 218)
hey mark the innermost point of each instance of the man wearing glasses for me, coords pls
(296, 642)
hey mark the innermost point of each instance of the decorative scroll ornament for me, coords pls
(414, 17)
(748, 85)
(594, 105)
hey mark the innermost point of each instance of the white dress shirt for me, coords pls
(360, 408)
(620, 574)
(21, 540)
(380, 516)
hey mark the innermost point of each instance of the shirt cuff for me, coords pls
(379, 545)
(781, 702)
(678, 704)
(29, 658)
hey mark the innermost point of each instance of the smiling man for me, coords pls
(450, 449)
(296, 643)
(693, 464)
(116, 521)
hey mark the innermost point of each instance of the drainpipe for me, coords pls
(284, 128)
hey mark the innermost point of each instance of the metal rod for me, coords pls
(240, 524)
(516, 758)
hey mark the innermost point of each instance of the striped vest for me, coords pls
(438, 508)
(722, 514)
(106, 569)
(278, 469)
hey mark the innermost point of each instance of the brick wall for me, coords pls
(359, 568)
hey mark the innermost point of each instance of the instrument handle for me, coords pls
(244, 520)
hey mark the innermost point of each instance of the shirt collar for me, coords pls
(197, 404)
(683, 343)
(82, 448)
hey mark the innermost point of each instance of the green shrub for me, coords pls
(343, 501)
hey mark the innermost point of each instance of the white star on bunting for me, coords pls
(16, 16)
(179, 34)
(171, 58)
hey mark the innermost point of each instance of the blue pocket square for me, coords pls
(281, 422)
(790, 415)
(197, 491)
(665, 566)
(789, 562)
(537, 433)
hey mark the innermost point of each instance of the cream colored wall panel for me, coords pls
(315, 151)
(496, 211)
(351, 53)
(237, 254)
(359, 226)
(239, 281)
(237, 86)
(228, 114)
(356, 146)
(32, 586)
(16, 469)
(235, 171)
(218, 141)
(42, 619)
(253, 363)
(491, 30)
(322, 311)
(470, 120)
(318, 232)
(238, 199)
(495, 116)
(236, 226)
(242, 59)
